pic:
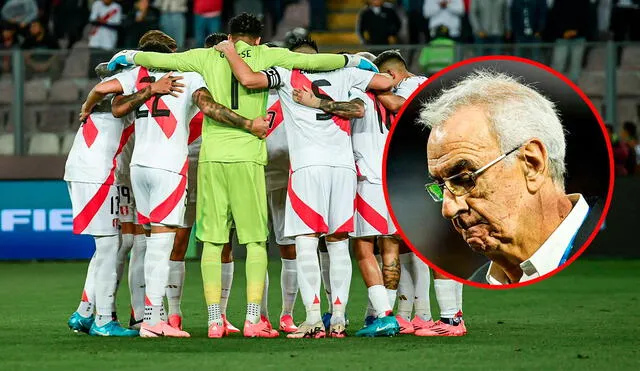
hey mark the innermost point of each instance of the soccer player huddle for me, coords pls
(255, 129)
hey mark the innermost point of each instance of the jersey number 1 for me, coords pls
(155, 112)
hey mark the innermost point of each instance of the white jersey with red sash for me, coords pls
(277, 169)
(104, 37)
(369, 135)
(90, 172)
(322, 184)
(160, 157)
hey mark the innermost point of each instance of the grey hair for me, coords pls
(516, 112)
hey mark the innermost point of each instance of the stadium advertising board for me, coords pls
(36, 222)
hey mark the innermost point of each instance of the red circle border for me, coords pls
(582, 95)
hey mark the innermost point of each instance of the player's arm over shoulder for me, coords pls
(204, 101)
(122, 105)
(191, 60)
(354, 108)
(313, 62)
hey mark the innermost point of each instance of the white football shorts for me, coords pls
(95, 208)
(320, 199)
(192, 193)
(277, 203)
(372, 217)
(161, 196)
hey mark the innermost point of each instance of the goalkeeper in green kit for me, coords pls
(231, 181)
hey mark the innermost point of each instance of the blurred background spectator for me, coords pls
(621, 152)
(206, 19)
(173, 19)
(9, 41)
(378, 23)
(568, 27)
(526, 20)
(20, 12)
(40, 61)
(439, 52)
(444, 13)
(318, 14)
(625, 20)
(142, 18)
(488, 23)
(105, 19)
(69, 19)
(417, 23)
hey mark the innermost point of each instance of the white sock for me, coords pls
(379, 300)
(309, 276)
(421, 303)
(253, 313)
(406, 290)
(105, 276)
(446, 294)
(126, 243)
(325, 268)
(340, 278)
(392, 295)
(371, 311)
(86, 307)
(227, 282)
(156, 274)
(288, 285)
(215, 315)
(175, 285)
(459, 296)
(264, 305)
(136, 276)
(87, 301)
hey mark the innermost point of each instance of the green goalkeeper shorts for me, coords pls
(231, 192)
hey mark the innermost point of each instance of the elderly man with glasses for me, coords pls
(496, 157)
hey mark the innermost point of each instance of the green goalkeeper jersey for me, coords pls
(222, 142)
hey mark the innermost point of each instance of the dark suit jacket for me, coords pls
(595, 210)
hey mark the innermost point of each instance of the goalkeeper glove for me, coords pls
(360, 62)
(123, 58)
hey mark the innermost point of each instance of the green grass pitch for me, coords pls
(584, 318)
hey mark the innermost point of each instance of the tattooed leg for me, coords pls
(390, 247)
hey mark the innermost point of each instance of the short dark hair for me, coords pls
(299, 43)
(389, 55)
(214, 39)
(631, 129)
(155, 47)
(245, 24)
(157, 37)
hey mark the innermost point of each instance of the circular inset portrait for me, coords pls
(498, 172)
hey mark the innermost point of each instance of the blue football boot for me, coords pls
(80, 324)
(112, 328)
(385, 326)
(369, 320)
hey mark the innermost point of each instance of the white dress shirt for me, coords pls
(449, 16)
(550, 255)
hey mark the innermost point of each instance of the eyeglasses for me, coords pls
(462, 183)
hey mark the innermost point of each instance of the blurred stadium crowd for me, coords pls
(63, 40)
